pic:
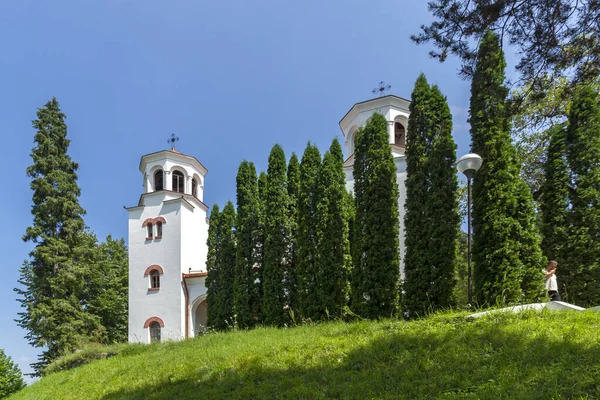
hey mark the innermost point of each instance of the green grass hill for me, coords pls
(547, 355)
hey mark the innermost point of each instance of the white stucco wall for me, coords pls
(182, 249)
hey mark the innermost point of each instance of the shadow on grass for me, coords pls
(485, 362)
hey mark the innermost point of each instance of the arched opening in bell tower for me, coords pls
(178, 182)
(158, 180)
(399, 134)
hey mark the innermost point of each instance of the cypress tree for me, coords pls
(53, 280)
(332, 235)
(276, 240)
(506, 245)
(213, 243)
(307, 235)
(293, 186)
(583, 266)
(416, 219)
(554, 197)
(226, 266)
(442, 204)
(246, 295)
(376, 232)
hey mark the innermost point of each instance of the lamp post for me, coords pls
(468, 165)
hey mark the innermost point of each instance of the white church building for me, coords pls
(168, 229)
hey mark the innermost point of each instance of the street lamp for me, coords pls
(468, 165)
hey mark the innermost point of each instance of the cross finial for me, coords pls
(383, 87)
(172, 140)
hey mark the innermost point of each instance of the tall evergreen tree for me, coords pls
(220, 285)
(108, 288)
(506, 246)
(213, 243)
(431, 202)
(376, 226)
(442, 204)
(293, 186)
(53, 281)
(554, 197)
(583, 267)
(277, 238)
(416, 219)
(246, 294)
(332, 235)
(307, 233)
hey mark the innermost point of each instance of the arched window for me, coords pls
(155, 279)
(150, 231)
(178, 182)
(155, 332)
(158, 230)
(158, 180)
(194, 187)
(399, 135)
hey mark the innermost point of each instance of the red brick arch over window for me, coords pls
(153, 221)
(151, 320)
(152, 268)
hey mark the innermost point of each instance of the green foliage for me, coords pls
(376, 265)
(246, 289)
(220, 286)
(61, 283)
(277, 240)
(506, 245)
(431, 219)
(548, 355)
(108, 289)
(212, 267)
(551, 38)
(307, 233)
(11, 379)
(554, 196)
(582, 278)
(331, 280)
(291, 274)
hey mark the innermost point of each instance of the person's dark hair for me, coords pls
(553, 263)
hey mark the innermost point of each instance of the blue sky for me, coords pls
(229, 78)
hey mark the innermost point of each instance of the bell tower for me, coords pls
(168, 230)
(396, 112)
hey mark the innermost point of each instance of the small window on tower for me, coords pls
(399, 135)
(155, 280)
(155, 332)
(158, 180)
(158, 230)
(194, 187)
(150, 231)
(178, 182)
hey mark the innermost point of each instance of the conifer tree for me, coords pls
(554, 198)
(416, 223)
(307, 233)
(213, 243)
(53, 281)
(332, 235)
(246, 295)
(293, 186)
(583, 267)
(108, 288)
(431, 202)
(11, 379)
(442, 204)
(376, 226)
(226, 267)
(277, 234)
(506, 244)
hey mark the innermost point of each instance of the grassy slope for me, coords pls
(528, 356)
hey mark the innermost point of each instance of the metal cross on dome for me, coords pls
(172, 140)
(383, 87)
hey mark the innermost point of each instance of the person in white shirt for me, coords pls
(551, 285)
